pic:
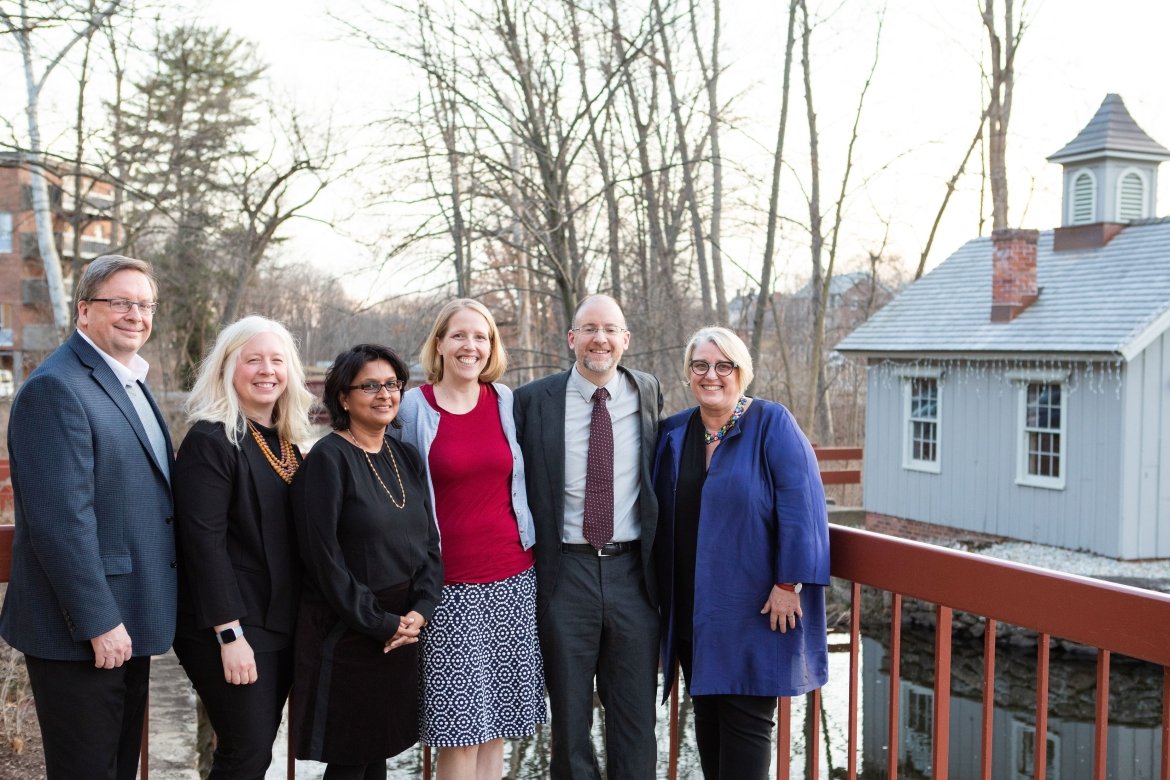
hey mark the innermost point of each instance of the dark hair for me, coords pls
(345, 367)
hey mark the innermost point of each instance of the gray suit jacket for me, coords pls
(540, 427)
(94, 543)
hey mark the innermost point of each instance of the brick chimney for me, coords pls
(1013, 273)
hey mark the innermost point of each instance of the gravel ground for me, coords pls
(1154, 574)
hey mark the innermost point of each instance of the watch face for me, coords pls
(227, 635)
(798, 587)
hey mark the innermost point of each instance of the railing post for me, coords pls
(941, 737)
(989, 630)
(1040, 761)
(784, 738)
(854, 671)
(1101, 726)
(895, 685)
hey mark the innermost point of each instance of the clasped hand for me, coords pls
(408, 627)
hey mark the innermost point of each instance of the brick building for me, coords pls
(26, 318)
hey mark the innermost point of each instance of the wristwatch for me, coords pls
(229, 635)
(790, 587)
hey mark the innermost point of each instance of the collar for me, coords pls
(585, 388)
(137, 370)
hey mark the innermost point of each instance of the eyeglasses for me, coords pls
(722, 368)
(593, 330)
(372, 388)
(123, 305)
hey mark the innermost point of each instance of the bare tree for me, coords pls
(714, 120)
(822, 276)
(1002, 46)
(765, 292)
(25, 23)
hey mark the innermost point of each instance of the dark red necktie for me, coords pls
(598, 521)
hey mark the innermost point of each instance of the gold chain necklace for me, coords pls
(378, 476)
(287, 465)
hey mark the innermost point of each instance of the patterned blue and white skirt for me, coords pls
(482, 675)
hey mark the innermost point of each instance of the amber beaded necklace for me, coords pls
(378, 476)
(287, 465)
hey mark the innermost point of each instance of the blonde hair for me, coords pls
(432, 361)
(214, 397)
(726, 342)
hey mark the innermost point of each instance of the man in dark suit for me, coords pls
(93, 588)
(588, 435)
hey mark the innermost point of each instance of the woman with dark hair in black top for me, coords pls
(373, 574)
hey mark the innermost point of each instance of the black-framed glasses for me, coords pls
(592, 330)
(372, 388)
(123, 305)
(722, 367)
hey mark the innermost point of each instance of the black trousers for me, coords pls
(374, 771)
(733, 733)
(91, 719)
(600, 624)
(245, 717)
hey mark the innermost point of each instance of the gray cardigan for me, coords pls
(420, 425)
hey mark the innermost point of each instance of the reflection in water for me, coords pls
(1134, 731)
(1134, 739)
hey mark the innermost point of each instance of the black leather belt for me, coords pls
(608, 551)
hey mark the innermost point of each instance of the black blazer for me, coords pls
(540, 427)
(233, 526)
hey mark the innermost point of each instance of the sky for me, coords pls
(921, 112)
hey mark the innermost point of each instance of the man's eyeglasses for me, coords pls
(722, 368)
(593, 330)
(123, 305)
(372, 388)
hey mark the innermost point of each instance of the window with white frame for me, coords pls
(1024, 747)
(1040, 461)
(921, 413)
(5, 232)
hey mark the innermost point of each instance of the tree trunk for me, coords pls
(687, 164)
(765, 295)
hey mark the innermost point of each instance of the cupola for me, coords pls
(1110, 177)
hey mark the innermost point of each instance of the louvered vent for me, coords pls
(1131, 198)
(1083, 199)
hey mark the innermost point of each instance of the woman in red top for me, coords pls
(483, 680)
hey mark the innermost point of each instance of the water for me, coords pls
(1134, 749)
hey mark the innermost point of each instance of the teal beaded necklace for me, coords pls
(736, 413)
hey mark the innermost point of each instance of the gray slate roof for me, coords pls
(1091, 301)
(1111, 129)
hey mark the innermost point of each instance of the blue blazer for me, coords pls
(94, 543)
(762, 520)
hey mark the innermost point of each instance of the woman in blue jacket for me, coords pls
(742, 555)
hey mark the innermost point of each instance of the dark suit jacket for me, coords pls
(540, 427)
(233, 520)
(94, 543)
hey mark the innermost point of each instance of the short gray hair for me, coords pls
(101, 269)
(726, 342)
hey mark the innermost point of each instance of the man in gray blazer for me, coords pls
(587, 454)
(93, 589)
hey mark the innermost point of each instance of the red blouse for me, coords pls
(471, 470)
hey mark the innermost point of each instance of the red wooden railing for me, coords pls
(836, 476)
(1109, 617)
